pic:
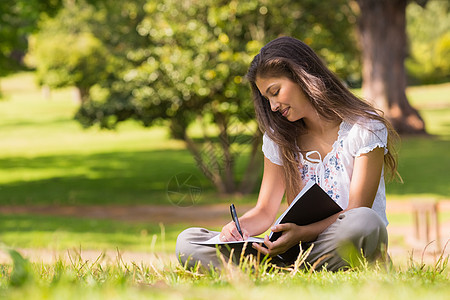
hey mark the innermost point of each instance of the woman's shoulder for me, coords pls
(271, 150)
(366, 134)
(366, 124)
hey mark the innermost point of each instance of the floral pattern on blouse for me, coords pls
(333, 173)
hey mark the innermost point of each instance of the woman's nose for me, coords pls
(274, 105)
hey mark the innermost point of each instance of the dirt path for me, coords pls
(205, 215)
(214, 214)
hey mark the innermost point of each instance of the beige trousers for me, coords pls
(355, 232)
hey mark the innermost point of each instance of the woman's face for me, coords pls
(285, 96)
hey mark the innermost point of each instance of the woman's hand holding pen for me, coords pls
(230, 233)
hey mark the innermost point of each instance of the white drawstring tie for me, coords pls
(320, 168)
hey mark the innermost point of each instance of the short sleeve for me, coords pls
(364, 137)
(271, 150)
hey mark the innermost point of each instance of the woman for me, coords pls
(314, 129)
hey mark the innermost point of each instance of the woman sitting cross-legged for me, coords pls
(314, 129)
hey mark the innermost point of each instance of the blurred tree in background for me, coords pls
(183, 62)
(384, 40)
(429, 42)
(382, 31)
(84, 45)
(192, 68)
(17, 20)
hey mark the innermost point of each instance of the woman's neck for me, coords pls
(318, 126)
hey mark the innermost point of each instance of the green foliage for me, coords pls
(429, 35)
(17, 20)
(182, 62)
(66, 53)
(196, 54)
(57, 67)
(192, 67)
(22, 271)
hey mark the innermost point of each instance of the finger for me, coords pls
(235, 235)
(223, 237)
(280, 227)
(267, 242)
(260, 248)
(246, 234)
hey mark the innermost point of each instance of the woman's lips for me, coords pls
(284, 112)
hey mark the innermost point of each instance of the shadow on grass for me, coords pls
(105, 178)
(142, 177)
(13, 125)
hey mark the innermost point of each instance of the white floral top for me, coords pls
(334, 172)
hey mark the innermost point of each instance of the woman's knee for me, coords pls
(363, 228)
(360, 221)
(184, 239)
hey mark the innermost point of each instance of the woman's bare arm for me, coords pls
(258, 219)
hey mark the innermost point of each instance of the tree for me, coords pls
(65, 52)
(82, 66)
(192, 69)
(17, 20)
(429, 42)
(382, 28)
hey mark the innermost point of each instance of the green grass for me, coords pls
(47, 158)
(60, 233)
(81, 279)
(423, 165)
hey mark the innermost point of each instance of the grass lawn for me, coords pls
(81, 279)
(46, 158)
(60, 233)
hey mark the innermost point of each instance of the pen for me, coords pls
(235, 219)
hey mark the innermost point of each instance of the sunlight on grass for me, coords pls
(59, 233)
(46, 156)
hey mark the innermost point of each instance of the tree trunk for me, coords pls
(382, 31)
(81, 94)
(228, 160)
(210, 172)
(251, 174)
(217, 160)
(178, 128)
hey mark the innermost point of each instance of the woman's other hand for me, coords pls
(291, 235)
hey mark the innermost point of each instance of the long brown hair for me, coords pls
(291, 58)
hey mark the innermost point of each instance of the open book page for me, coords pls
(216, 241)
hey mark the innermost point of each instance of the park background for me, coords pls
(124, 123)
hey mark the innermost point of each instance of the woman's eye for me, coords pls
(276, 93)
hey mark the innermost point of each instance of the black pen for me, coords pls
(235, 219)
